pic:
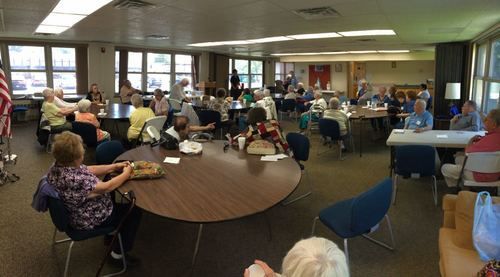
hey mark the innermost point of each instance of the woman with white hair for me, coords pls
(59, 102)
(312, 257)
(84, 115)
(54, 114)
(336, 114)
(316, 107)
(159, 104)
(291, 93)
(138, 117)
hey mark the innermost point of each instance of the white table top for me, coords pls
(436, 138)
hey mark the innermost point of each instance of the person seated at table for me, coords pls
(279, 87)
(84, 115)
(316, 107)
(380, 97)
(489, 143)
(393, 99)
(300, 88)
(468, 120)
(424, 93)
(126, 92)
(206, 99)
(334, 113)
(341, 96)
(159, 103)
(259, 127)
(181, 129)
(221, 104)
(420, 120)
(395, 108)
(87, 198)
(55, 115)
(246, 95)
(315, 257)
(94, 95)
(363, 90)
(290, 93)
(138, 117)
(309, 94)
(59, 100)
(411, 97)
(267, 103)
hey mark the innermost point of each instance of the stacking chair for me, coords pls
(288, 106)
(210, 116)
(360, 215)
(483, 162)
(60, 218)
(415, 161)
(313, 124)
(108, 151)
(329, 128)
(157, 122)
(175, 104)
(87, 131)
(299, 144)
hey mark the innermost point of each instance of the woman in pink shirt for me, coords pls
(83, 115)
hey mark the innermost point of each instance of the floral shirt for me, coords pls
(74, 184)
(222, 106)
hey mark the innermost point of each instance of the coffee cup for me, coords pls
(241, 142)
(107, 102)
(244, 101)
(101, 111)
(368, 103)
(386, 105)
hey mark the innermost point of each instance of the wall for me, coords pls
(338, 80)
(102, 67)
(405, 72)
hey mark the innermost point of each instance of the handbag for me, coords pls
(486, 228)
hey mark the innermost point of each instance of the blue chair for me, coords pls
(87, 131)
(360, 215)
(415, 161)
(330, 129)
(288, 106)
(60, 218)
(353, 102)
(299, 144)
(208, 116)
(108, 151)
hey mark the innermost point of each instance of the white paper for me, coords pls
(269, 158)
(399, 131)
(348, 114)
(172, 160)
(442, 136)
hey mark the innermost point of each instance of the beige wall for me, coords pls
(405, 72)
(102, 67)
(338, 80)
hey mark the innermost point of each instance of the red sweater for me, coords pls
(488, 143)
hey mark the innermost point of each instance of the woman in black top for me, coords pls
(94, 95)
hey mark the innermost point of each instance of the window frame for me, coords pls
(485, 80)
(249, 74)
(284, 70)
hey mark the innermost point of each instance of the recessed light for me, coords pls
(315, 36)
(62, 19)
(45, 29)
(269, 39)
(368, 33)
(84, 7)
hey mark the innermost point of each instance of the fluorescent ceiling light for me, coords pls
(61, 19)
(393, 51)
(368, 33)
(334, 53)
(236, 42)
(269, 39)
(283, 54)
(45, 29)
(84, 7)
(362, 52)
(315, 36)
(206, 44)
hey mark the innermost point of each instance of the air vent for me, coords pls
(317, 13)
(132, 4)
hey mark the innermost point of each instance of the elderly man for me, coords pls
(363, 90)
(181, 128)
(138, 117)
(178, 95)
(420, 120)
(126, 92)
(488, 143)
(379, 98)
(55, 115)
(336, 114)
(266, 102)
(468, 120)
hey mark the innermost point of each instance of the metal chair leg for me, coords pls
(346, 252)
(380, 243)
(68, 257)
(314, 225)
(197, 245)
(54, 241)
(394, 189)
(434, 190)
(303, 195)
(339, 144)
(124, 261)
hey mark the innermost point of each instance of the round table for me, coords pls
(364, 112)
(113, 112)
(213, 186)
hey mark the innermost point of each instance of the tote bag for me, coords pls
(486, 229)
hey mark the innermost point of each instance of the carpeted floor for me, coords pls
(165, 246)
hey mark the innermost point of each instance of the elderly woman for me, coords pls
(85, 196)
(336, 114)
(94, 95)
(55, 115)
(159, 104)
(246, 95)
(310, 257)
(263, 100)
(84, 115)
(316, 106)
(290, 93)
(220, 104)
(138, 117)
(126, 92)
(206, 99)
(59, 102)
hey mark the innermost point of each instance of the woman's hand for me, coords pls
(120, 166)
(267, 270)
(127, 170)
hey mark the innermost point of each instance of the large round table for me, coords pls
(213, 186)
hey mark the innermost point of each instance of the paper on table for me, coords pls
(399, 131)
(270, 158)
(442, 136)
(172, 160)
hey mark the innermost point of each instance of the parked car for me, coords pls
(19, 84)
(38, 83)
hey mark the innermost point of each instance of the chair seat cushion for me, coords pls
(456, 261)
(338, 218)
(20, 109)
(78, 235)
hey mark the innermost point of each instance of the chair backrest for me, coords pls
(483, 162)
(415, 159)
(87, 131)
(288, 105)
(329, 128)
(156, 121)
(353, 101)
(108, 151)
(209, 116)
(58, 214)
(370, 207)
(299, 145)
(175, 104)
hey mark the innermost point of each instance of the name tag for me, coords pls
(418, 122)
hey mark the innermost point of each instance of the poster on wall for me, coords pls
(319, 75)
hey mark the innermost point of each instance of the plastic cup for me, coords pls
(368, 103)
(386, 105)
(101, 111)
(241, 142)
(107, 102)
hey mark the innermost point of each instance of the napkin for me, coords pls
(172, 160)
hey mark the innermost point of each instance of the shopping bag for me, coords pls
(486, 228)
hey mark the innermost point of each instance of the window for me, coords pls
(28, 70)
(249, 71)
(486, 81)
(134, 69)
(64, 69)
(256, 79)
(158, 71)
(282, 69)
(183, 69)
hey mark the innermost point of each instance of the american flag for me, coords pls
(5, 105)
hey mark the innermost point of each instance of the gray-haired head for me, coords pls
(334, 103)
(136, 100)
(84, 105)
